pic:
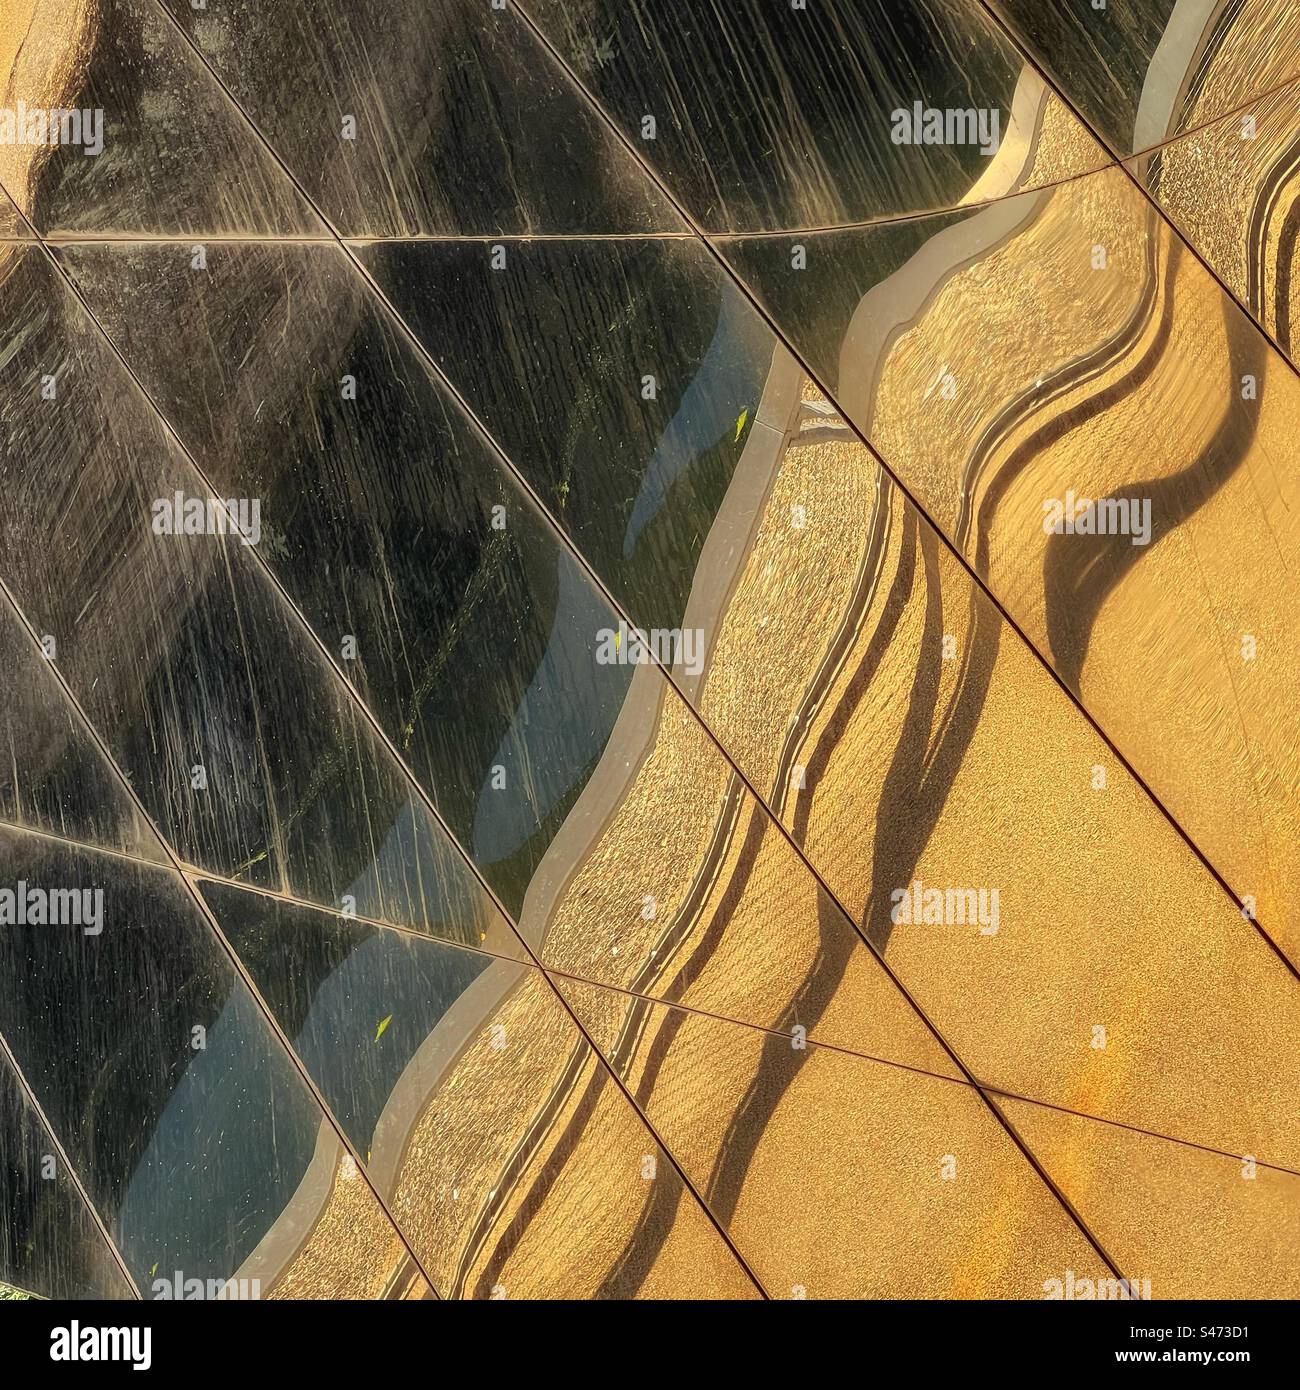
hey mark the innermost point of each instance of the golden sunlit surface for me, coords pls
(1231, 189)
(651, 650)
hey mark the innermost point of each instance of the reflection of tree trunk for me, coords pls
(1268, 189)
(927, 761)
(1286, 256)
(564, 1149)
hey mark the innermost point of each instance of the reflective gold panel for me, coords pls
(842, 1178)
(1145, 72)
(649, 649)
(1181, 1222)
(1232, 190)
(1103, 433)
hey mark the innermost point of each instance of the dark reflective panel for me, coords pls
(1017, 363)
(671, 880)
(415, 555)
(193, 1134)
(1233, 190)
(144, 142)
(49, 1242)
(358, 1002)
(236, 733)
(420, 117)
(52, 776)
(12, 226)
(624, 381)
(768, 117)
(778, 1137)
(594, 802)
(505, 1151)
(1180, 1222)
(861, 682)
(1142, 73)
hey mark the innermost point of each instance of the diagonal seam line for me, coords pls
(581, 560)
(601, 587)
(1123, 161)
(350, 694)
(597, 582)
(7, 1053)
(215, 927)
(1198, 128)
(73, 238)
(202, 875)
(1031, 61)
(650, 173)
(259, 132)
(1011, 622)
(531, 493)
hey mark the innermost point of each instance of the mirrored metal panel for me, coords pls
(111, 126)
(189, 1127)
(228, 719)
(947, 1204)
(50, 1243)
(1103, 433)
(774, 117)
(1231, 190)
(502, 1145)
(1147, 72)
(55, 779)
(1180, 1221)
(614, 830)
(420, 563)
(410, 118)
(628, 381)
(624, 619)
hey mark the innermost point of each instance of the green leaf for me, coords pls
(383, 1027)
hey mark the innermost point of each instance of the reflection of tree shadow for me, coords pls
(931, 748)
(549, 1174)
(1081, 572)
(914, 793)
(915, 790)
(1286, 252)
(932, 745)
(925, 764)
(1268, 190)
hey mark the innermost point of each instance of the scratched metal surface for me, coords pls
(1145, 73)
(449, 949)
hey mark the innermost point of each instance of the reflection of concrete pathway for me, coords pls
(1173, 66)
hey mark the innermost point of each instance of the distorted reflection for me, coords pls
(1233, 190)
(1145, 73)
(544, 747)
(191, 1133)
